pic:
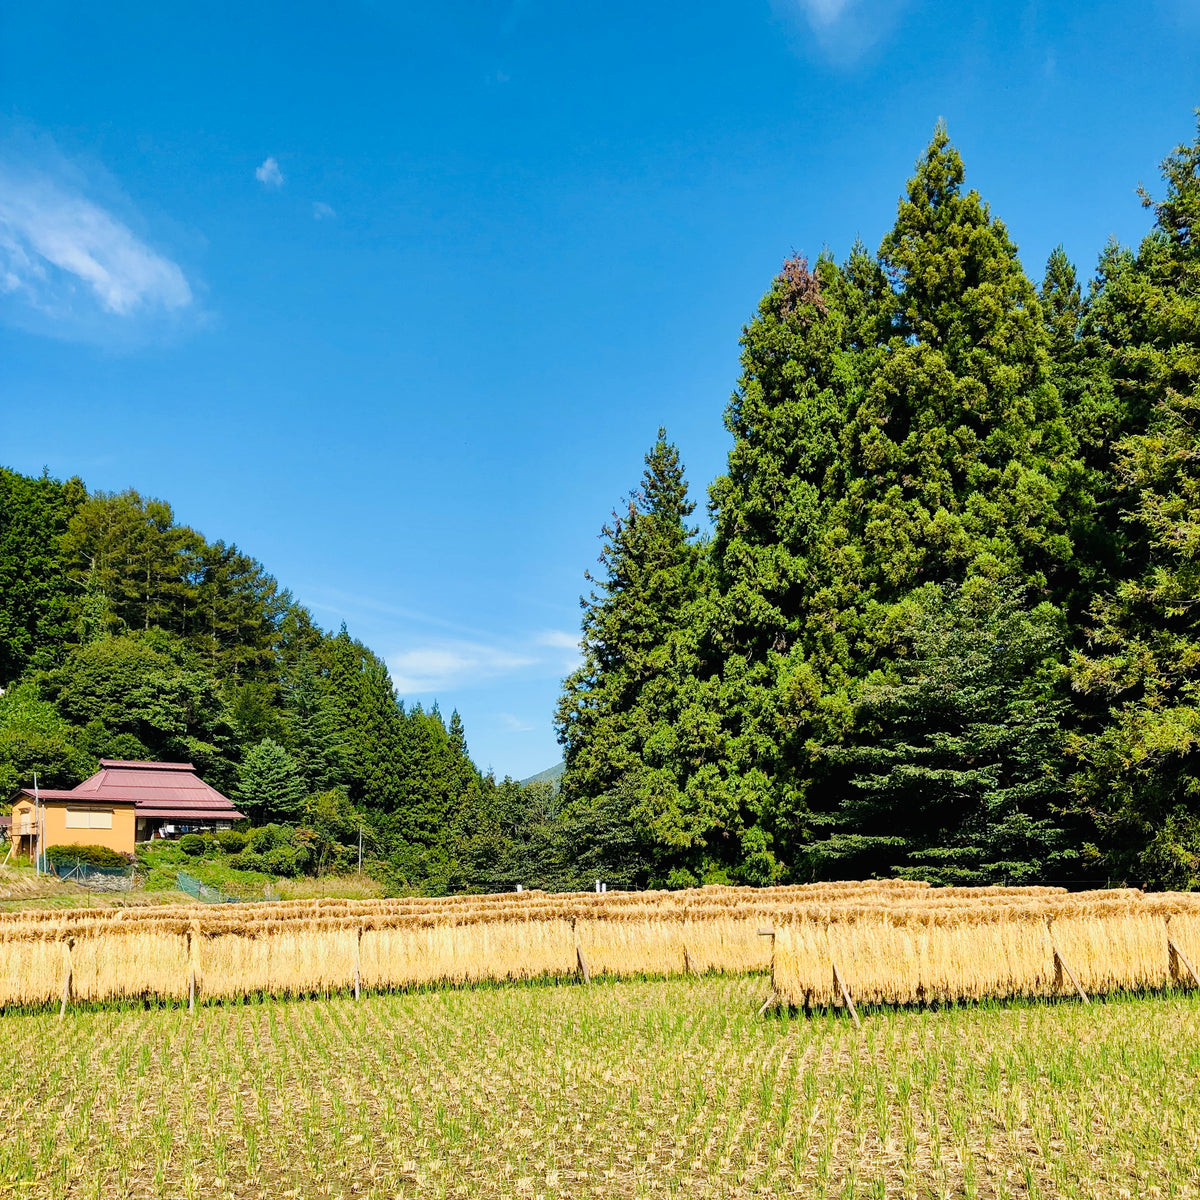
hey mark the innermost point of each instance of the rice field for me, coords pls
(646, 1088)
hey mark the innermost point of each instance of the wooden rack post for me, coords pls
(1062, 967)
(358, 963)
(584, 973)
(193, 963)
(70, 974)
(773, 995)
(840, 984)
(1175, 957)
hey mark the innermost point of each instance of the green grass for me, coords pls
(160, 862)
(648, 1088)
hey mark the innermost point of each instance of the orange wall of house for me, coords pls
(119, 837)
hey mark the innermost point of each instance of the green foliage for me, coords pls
(269, 784)
(193, 844)
(335, 826)
(955, 762)
(35, 739)
(1140, 759)
(96, 856)
(142, 696)
(35, 607)
(634, 717)
(231, 841)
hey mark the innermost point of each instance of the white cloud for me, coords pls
(441, 665)
(71, 262)
(559, 639)
(323, 211)
(269, 174)
(842, 30)
(825, 12)
(514, 724)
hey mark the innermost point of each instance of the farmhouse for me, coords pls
(122, 804)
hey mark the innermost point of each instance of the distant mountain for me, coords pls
(549, 775)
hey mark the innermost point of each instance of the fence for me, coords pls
(100, 879)
(207, 894)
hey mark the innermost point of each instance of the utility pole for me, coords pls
(37, 825)
(360, 849)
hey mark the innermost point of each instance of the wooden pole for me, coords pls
(773, 994)
(66, 992)
(840, 983)
(687, 964)
(583, 969)
(193, 963)
(357, 963)
(1177, 956)
(1062, 967)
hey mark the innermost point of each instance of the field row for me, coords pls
(636, 1089)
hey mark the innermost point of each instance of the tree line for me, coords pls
(946, 624)
(125, 634)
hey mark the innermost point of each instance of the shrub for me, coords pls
(248, 860)
(193, 845)
(268, 837)
(283, 860)
(96, 856)
(231, 840)
(681, 877)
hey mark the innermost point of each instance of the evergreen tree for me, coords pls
(955, 748)
(269, 784)
(958, 448)
(896, 425)
(1140, 775)
(376, 766)
(631, 713)
(1096, 419)
(35, 594)
(310, 740)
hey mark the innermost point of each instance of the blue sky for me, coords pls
(396, 296)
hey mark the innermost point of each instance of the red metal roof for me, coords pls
(61, 794)
(167, 791)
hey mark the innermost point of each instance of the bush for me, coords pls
(249, 861)
(268, 837)
(282, 861)
(193, 845)
(231, 840)
(681, 877)
(95, 856)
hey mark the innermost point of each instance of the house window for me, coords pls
(89, 818)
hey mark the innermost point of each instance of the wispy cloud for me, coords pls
(323, 211)
(515, 724)
(825, 12)
(559, 639)
(69, 264)
(443, 665)
(269, 174)
(842, 30)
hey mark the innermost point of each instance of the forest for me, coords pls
(124, 634)
(945, 623)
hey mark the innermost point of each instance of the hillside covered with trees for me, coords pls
(947, 624)
(124, 634)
